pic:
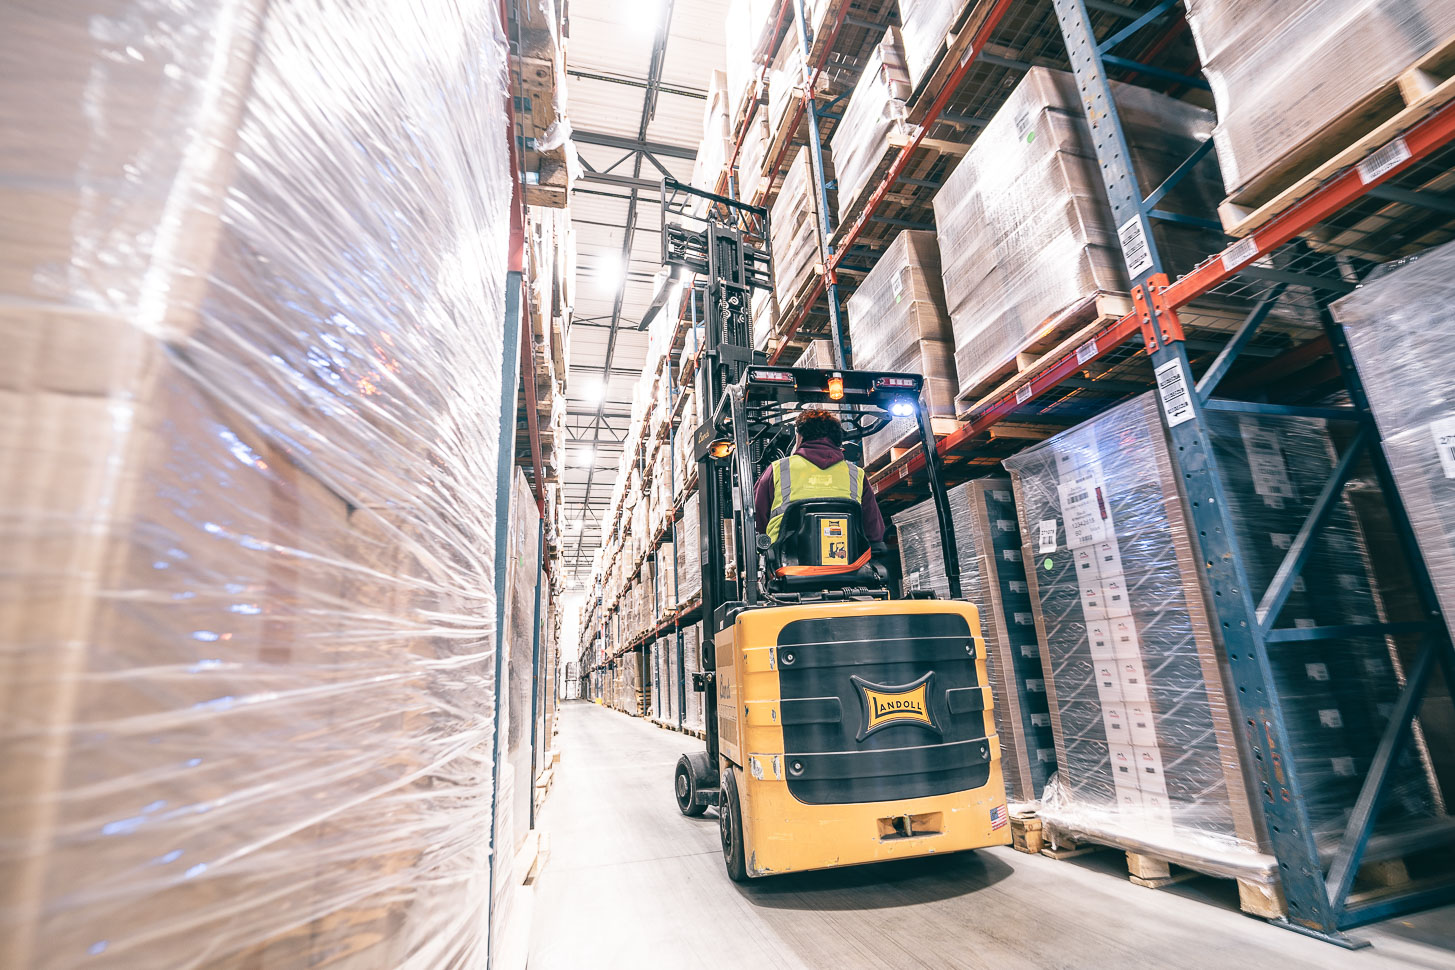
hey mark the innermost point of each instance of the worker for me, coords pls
(816, 469)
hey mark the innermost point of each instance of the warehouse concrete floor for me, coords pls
(630, 883)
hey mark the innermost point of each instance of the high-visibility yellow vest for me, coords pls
(796, 478)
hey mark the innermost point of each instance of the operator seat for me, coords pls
(821, 546)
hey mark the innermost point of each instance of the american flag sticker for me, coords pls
(998, 817)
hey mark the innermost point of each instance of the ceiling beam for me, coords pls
(636, 82)
(633, 144)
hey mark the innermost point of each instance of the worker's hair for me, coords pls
(813, 425)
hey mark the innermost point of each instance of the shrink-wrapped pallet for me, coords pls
(898, 322)
(924, 25)
(689, 571)
(1025, 228)
(716, 144)
(785, 81)
(818, 354)
(1283, 72)
(691, 664)
(793, 228)
(1400, 327)
(874, 115)
(1148, 752)
(743, 39)
(249, 423)
(752, 155)
(993, 577)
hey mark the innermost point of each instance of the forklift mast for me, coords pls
(729, 247)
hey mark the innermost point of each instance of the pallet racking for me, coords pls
(1378, 197)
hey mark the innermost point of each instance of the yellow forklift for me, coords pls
(844, 724)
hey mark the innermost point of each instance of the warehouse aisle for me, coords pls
(630, 883)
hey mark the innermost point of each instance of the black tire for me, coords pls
(730, 827)
(692, 776)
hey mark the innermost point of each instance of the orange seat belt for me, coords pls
(825, 570)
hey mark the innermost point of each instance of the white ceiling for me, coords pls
(608, 66)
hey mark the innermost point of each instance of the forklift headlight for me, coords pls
(902, 409)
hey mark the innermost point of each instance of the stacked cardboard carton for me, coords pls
(898, 322)
(993, 577)
(1147, 750)
(874, 116)
(249, 483)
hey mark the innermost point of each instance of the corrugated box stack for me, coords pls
(1283, 71)
(249, 483)
(873, 122)
(993, 577)
(1025, 229)
(717, 143)
(898, 322)
(1148, 756)
(793, 226)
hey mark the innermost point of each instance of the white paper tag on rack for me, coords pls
(1086, 351)
(1046, 541)
(1240, 252)
(1379, 164)
(1023, 394)
(1134, 247)
(896, 285)
(1444, 433)
(1172, 389)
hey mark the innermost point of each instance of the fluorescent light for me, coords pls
(584, 455)
(611, 271)
(592, 391)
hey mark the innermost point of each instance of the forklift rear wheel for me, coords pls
(730, 824)
(692, 776)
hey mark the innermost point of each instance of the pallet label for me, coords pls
(1086, 351)
(1382, 162)
(1444, 433)
(1023, 394)
(1047, 540)
(1240, 252)
(1134, 246)
(1172, 390)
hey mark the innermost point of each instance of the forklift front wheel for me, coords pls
(730, 824)
(693, 775)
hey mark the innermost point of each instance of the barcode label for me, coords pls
(896, 284)
(1382, 162)
(1240, 252)
(1086, 351)
(1172, 389)
(1444, 433)
(1047, 536)
(1023, 394)
(1134, 247)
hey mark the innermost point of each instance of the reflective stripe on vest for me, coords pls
(796, 478)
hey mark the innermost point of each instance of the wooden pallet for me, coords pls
(952, 50)
(1254, 898)
(1365, 135)
(909, 443)
(1065, 333)
(909, 200)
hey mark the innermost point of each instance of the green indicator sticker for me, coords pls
(1047, 564)
(1030, 137)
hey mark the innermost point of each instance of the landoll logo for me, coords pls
(883, 705)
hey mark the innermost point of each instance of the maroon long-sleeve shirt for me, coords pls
(823, 453)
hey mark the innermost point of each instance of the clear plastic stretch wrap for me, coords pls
(874, 114)
(513, 730)
(1281, 72)
(924, 24)
(818, 353)
(993, 577)
(743, 29)
(1400, 328)
(1148, 757)
(793, 228)
(689, 570)
(1025, 228)
(252, 273)
(716, 144)
(691, 664)
(751, 157)
(897, 322)
(785, 79)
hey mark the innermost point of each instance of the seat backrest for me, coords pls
(821, 545)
